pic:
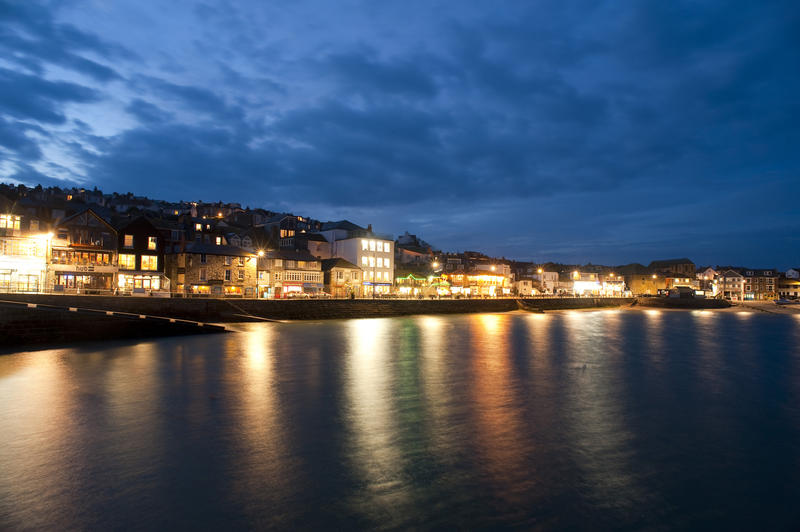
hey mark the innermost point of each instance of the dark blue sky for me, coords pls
(550, 130)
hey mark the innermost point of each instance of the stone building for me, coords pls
(341, 278)
(211, 270)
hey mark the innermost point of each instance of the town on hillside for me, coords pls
(79, 241)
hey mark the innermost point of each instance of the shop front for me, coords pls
(143, 283)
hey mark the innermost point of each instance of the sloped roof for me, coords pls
(328, 264)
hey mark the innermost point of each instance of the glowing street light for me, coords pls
(260, 252)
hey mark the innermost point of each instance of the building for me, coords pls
(760, 284)
(212, 270)
(140, 255)
(372, 252)
(682, 267)
(287, 273)
(730, 285)
(83, 256)
(789, 288)
(640, 284)
(341, 278)
(524, 287)
(23, 253)
(477, 283)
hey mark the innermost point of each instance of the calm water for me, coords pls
(612, 419)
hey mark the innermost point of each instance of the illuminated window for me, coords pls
(364, 245)
(364, 261)
(151, 243)
(241, 275)
(127, 261)
(9, 221)
(387, 263)
(198, 227)
(380, 262)
(372, 262)
(227, 260)
(372, 245)
(219, 240)
(386, 247)
(149, 262)
(128, 241)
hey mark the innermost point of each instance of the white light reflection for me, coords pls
(375, 455)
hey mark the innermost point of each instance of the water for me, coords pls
(606, 419)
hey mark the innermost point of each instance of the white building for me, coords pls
(372, 252)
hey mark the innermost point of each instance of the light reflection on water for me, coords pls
(580, 420)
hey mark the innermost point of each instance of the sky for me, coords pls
(572, 131)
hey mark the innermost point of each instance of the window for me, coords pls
(127, 261)
(202, 274)
(227, 260)
(372, 245)
(241, 275)
(218, 240)
(241, 261)
(387, 263)
(149, 262)
(380, 262)
(372, 262)
(364, 261)
(227, 275)
(340, 275)
(386, 247)
(198, 227)
(355, 276)
(151, 243)
(364, 245)
(9, 221)
(203, 258)
(128, 241)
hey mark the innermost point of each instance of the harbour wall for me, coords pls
(35, 324)
(678, 303)
(224, 310)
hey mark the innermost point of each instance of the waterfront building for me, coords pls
(372, 252)
(24, 250)
(789, 287)
(760, 283)
(212, 270)
(83, 257)
(793, 273)
(646, 284)
(140, 257)
(289, 273)
(524, 287)
(730, 284)
(478, 283)
(411, 285)
(341, 278)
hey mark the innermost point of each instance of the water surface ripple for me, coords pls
(581, 420)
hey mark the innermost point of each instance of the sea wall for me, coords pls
(224, 310)
(678, 303)
(32, 325)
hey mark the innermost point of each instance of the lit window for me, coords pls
(151, 243)
(380, 262)
(364, 261)
(227, 260)
(372, 262)
(127, 262)
(198, 227)
(128, 241)
(372, 245)
(387, 263)
(219, 240)
(386, 247)
(149, 262)
(364, 245)
(241, 275)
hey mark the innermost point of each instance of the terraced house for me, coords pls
(202, 269)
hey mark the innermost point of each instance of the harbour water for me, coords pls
(617, 419)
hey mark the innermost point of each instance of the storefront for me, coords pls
(142, 282)
(376, 289)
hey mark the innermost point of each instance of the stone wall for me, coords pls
(22, 325)
(228, 310)
(678, 303)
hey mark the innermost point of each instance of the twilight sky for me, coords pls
(577, 131)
